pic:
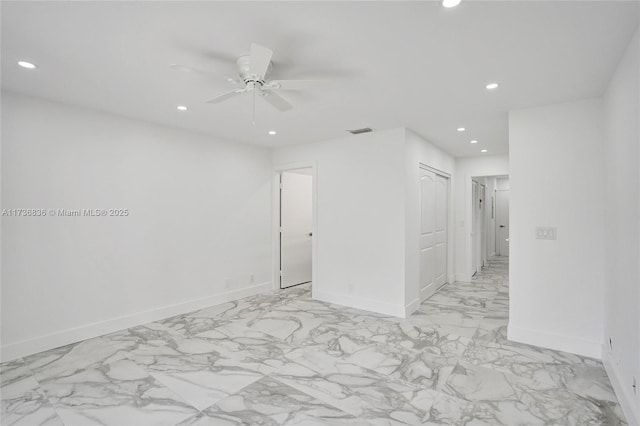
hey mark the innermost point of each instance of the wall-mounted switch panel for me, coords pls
(546, 233)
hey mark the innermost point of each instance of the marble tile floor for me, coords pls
(284, 359)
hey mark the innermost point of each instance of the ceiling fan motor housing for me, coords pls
(244, 70)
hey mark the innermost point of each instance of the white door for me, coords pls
(296, 221)
(474, 226)
(480, 227)
(442, 200)
(502, 222)
(433, 232)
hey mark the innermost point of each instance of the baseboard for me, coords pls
(558, 342)
(54, 340)
(360, 303)
(631, 411)
(411, 307)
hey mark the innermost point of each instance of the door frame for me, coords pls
(474, 226)
(275, 222)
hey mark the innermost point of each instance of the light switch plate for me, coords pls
(546, 233)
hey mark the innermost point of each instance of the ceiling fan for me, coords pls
(254, 70)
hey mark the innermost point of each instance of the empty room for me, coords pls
(320, 213)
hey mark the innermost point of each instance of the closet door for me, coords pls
(441, 204)
(433, 232)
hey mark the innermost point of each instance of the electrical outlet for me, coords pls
(252, 279)
(350, 288)
(228, 283)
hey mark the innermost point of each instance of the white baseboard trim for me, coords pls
(411, 307)
(631, 411)
(34, 345)
(360, 303)
(558, 342)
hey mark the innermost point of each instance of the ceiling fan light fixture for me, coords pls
(254, 76)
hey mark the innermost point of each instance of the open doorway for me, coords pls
(295, 227)
(490, 219)
(478, 227)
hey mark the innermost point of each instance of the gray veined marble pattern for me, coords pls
(23, 400)
(270, 402)
(284, 358)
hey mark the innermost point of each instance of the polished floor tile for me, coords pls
(282, 358)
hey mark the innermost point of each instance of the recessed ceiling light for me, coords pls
(461, 129)
(474, 141)
(492, 86)
(182, 107)
(28, 65)
(450, 3)
(483, 150)
(272, 132)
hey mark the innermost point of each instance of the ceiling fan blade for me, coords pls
(260, 60)
(276, 100)
(224, 96)
(294, 84)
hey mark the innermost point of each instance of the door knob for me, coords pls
(501, 226)
(311, 234)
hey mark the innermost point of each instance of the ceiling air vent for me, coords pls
(359, 131)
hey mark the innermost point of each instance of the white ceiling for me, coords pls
(412, 64)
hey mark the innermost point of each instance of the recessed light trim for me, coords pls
(461, 129)
(272, 132)
(492, 86)
(182, 107)
(473, 141)
(450, 3)
(483, 150)
(27, 65)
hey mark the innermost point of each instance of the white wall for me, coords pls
(360, 221)
(622, 231)
(419, 151)
(198, 229)
(502, 184)
(557, 180)
(466, 168)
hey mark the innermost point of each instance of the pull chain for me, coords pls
(254, 106)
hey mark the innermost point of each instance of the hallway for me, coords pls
(283, 358)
